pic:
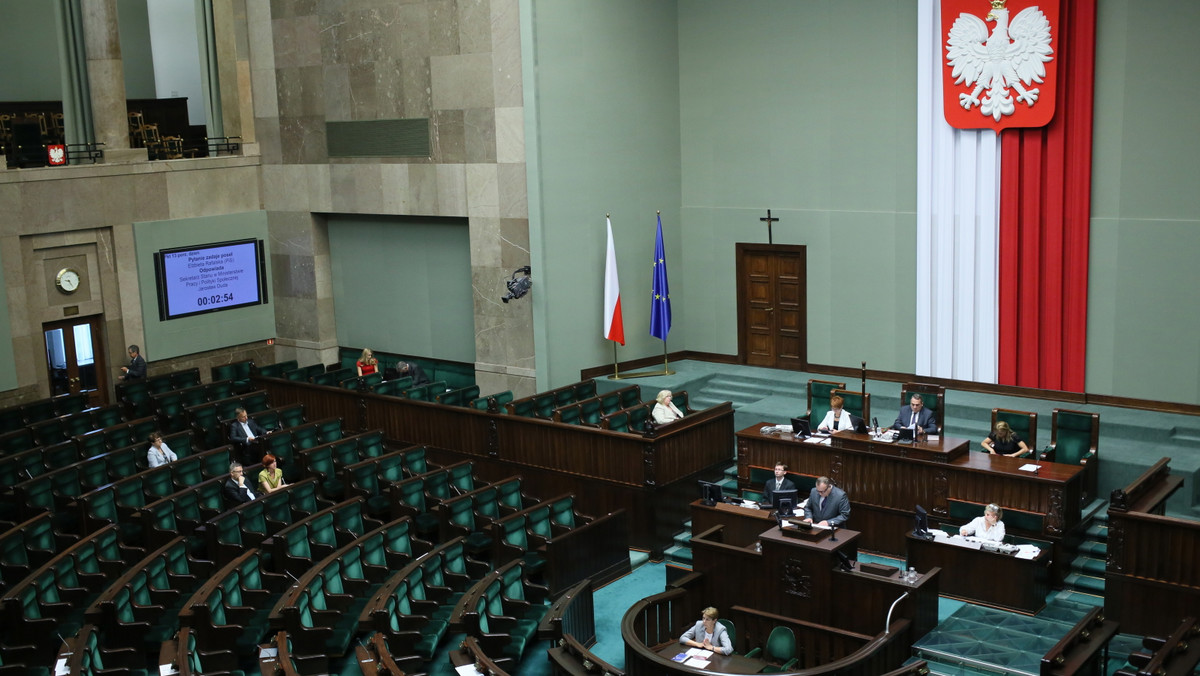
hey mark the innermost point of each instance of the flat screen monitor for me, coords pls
(710, 493)
(906, 434)
(921, 523)
(779, 498)
(800, 427)
(210, 277)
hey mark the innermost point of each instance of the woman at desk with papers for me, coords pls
(708, 634)
(986, 527)
(837, 418)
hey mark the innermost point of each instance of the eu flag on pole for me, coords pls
(660, 305)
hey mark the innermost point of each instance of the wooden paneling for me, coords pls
(772, 305)
(653, 476)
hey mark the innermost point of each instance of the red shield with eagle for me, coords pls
(999, 62)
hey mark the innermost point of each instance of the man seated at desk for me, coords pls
(827, 505)
(244, 432)
(779, 483)
(916, 416)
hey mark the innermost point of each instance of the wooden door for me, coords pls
(772, 308)
(75, 358)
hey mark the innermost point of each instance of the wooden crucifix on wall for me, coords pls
(769, 221)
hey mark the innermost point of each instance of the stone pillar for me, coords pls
(106, 79)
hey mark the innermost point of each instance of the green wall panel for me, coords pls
(28, 37)
(199, 333)
(403, 284)
(808, 108)
(601, 93)
(1142, 329)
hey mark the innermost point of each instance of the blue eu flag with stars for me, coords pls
(660, 305)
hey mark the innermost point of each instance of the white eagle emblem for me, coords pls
(56, 154)
(1013, 55)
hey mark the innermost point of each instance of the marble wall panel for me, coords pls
(221, 191)
(423, 188)
(10, 207)
(474, 26)
(514, 200)
(506, 54)
(514, 243)
(443, 27)
(483, 191)
(394, 187)
(270, 144)
(320, 191)
(302, 140)
(291, 233)
(462, 81)
(150, 198)
(485, 243)
(449, 142)
(452, 190)
(339, 94)
(479, 127)
(389, 89)
(417, 92)
(301, 91)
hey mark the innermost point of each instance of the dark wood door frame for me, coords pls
(75, 379)
(795, 334)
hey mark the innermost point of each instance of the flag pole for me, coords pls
(616, 367)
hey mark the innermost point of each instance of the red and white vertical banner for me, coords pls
(614, 324)
(958, 175)
(1045, 212)
(1005, 98)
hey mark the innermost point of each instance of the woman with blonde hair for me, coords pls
(1004, 441)
(367, 363)
(664, 411)
(986, 527)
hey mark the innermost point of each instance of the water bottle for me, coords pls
(912, 575)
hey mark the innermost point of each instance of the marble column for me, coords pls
(106, 77)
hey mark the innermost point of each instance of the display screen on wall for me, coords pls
(209, 278)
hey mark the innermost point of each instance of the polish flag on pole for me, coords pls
(614, 327)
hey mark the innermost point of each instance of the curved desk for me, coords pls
(885, 481)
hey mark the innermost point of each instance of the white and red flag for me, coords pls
(614, 326)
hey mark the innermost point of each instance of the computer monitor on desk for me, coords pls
(783, 502)
(710, 493)
(801, 428)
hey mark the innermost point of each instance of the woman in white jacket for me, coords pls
(664, 411)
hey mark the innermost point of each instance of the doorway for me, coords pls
(75, 359)
(772, 289)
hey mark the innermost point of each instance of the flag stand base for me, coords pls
(666, 369)
(642, 374)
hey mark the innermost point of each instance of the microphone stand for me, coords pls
(833, 533)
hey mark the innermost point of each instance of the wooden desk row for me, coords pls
(886, 481)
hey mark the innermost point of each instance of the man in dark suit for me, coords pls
(244, 433)
(827, 504)
(412, 370)
(137, 365)
(917, 416)
(237, 490)
(779, 483)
